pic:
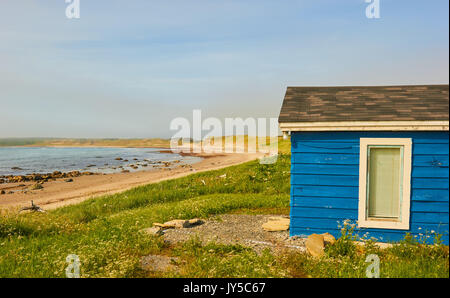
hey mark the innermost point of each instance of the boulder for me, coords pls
(328, 238)
(172, 224)
(315, 245)
(192, 223)
(276, 224)
(179, 223)
(37, 186)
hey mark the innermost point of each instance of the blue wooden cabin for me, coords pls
(377, 156)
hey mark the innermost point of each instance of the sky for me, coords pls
(125, 69)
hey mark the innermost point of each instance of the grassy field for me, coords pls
(104, 233)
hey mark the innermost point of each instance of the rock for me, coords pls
(37, 186)
(315, 245)
(276, 224)
(74, 174)
(193, 223)
(328, 238)
(381, 245)
(155, 231)
(179, 223)
(172, 224)
(18, 179)
(68, 180)
(2, 192)
(223, 176)
(118, 158)
(16, 168)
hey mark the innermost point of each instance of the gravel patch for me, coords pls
(238, 229)
(157, 263)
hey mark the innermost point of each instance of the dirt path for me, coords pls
(60, 193)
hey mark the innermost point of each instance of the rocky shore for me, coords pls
(58, 189)
(42, 177)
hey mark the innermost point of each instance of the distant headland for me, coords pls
(68, 142)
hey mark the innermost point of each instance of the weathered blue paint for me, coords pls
(325, 178)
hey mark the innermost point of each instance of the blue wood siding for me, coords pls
(325, 183)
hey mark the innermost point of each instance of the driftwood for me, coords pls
(34, 208)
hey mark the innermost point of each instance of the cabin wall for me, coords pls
(325, 183)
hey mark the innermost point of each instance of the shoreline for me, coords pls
(58, 193)
(85, 171)
(85, 146)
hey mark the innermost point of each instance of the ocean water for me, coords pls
(28, 160)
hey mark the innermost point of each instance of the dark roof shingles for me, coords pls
(375, 103)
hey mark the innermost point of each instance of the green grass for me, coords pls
(345, 259)
(104, 233)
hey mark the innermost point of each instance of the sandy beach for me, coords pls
(59, 193)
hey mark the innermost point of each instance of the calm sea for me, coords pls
(24, 160)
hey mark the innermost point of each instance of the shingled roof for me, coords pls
(374, 103)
